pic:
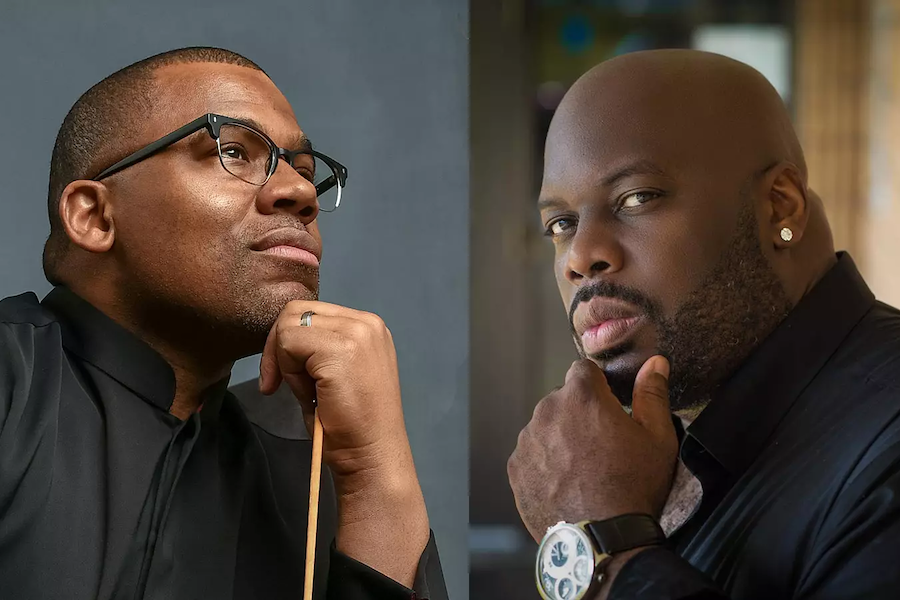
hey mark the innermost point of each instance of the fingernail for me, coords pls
(662, 367)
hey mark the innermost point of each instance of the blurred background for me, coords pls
(836, 63)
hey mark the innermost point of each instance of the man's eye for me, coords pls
(234, 153)
(635, 199)
(559, 227)
(306, 173)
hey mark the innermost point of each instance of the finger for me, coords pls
(298, 350)
(270, 376)
(650, 401)
(326, 341)
(270, 367)
(298, 307)
(269, 373)
(294, 364)
(344, 324)
(584, 369)
(304, 389)
(585, 372)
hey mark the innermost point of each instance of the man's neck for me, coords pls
(194, 373)
(689, 413)
(190, 383)
(195, 370)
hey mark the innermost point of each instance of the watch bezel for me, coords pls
(580, 530)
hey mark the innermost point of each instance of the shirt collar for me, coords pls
(97, 339)
(745, 410)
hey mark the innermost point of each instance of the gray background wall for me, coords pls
(382, 86)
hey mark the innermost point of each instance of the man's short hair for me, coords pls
(92, 132)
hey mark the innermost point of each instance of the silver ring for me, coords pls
(306, 319)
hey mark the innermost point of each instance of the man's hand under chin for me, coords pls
(346, 360)
(584, 458)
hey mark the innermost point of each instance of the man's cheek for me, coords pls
(566, 289)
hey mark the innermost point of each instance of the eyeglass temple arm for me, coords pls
(154, 147)
(336, 168)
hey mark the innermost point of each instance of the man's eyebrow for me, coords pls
(640, 167)
(300, 143)
(550, 202)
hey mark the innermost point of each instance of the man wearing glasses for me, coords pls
(183, 204)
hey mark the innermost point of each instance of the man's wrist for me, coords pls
(581, 559)
(391, 498)
(624, 537)
(612, 567)
(382, 521)
(386, 486)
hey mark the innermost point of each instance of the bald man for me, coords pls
(759, 452)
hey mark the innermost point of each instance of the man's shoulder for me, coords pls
(883, 316)
(25, 309)
(25, 323)
(856, 396)
(854, 399)
(29, 333)
(873, 349)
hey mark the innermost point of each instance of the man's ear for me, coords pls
(786, 205)
(87, 215)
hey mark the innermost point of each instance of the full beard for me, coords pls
(737, 305)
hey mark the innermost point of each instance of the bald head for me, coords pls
(718, 99)
(668, 178)
(701, 105)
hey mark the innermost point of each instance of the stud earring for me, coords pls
(786, 234)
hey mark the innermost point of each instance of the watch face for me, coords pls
(565, 563)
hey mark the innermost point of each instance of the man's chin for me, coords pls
(286, 291)
(620, 366)
(273, 298)
(256, 313)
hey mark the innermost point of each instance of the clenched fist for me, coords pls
(345, 360)
(584, 458)
(346, 363)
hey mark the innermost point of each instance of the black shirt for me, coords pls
(798, 454)
(104, 494)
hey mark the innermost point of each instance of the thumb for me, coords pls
(650, 401)
(304, 389)
(269, 371)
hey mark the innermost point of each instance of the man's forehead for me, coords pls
(602, 150)
(596, 140)
(187, 91)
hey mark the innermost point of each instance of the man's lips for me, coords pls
(608, 334)
(290, 243)
(602, 323)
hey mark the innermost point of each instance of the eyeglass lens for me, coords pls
(247, 156)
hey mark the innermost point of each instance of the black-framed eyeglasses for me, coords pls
(252, 156)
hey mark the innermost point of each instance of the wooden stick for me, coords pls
(315, 477)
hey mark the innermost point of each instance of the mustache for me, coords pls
(279, 222)
(615, 291)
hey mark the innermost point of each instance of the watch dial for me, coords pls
(565, 563)
(582, 571)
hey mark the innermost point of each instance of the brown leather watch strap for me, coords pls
(625, 532)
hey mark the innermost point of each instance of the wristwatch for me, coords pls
(571, 557)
